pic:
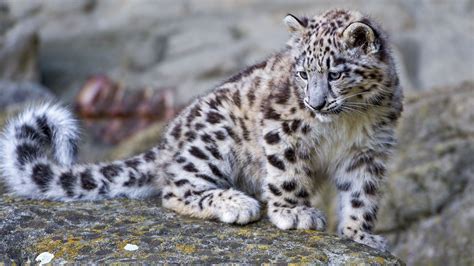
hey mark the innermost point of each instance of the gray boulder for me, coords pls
(97, 232)
(429, 207)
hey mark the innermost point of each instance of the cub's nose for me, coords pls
(315, 104)
(318, 106)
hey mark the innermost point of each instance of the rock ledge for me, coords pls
(98, 232)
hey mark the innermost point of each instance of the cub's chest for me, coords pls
(336, 141)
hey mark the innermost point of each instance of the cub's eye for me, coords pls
(303, 75)
(334, 75)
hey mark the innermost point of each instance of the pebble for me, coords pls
(130, 247)
(44, 258)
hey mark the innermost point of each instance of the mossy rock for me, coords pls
(97, 232)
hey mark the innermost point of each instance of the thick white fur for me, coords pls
(59, 154)
(64, 139)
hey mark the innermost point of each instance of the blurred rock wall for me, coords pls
(193, 44)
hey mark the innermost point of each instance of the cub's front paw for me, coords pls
(299, 217)
(374, 241)
(236, 207)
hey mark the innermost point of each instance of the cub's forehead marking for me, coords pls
(324, 39)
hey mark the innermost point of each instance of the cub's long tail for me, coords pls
(37, 154)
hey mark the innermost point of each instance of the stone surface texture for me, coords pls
(98, 232)
(429, 207)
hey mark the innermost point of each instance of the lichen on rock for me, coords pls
(98, 232)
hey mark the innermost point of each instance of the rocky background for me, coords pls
(165, 52)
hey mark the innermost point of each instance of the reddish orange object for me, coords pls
(113, 112)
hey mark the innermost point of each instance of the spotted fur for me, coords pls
(324, 108)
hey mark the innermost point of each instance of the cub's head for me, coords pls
(342, 62)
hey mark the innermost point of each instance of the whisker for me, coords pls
(350, 96)
(347, 108)
(362, 104)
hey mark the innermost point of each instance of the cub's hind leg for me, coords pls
(226, 205)
(202, 191)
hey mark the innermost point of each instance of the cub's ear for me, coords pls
(359, 34)
(294, 24)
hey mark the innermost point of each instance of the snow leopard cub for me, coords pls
(324, 107)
